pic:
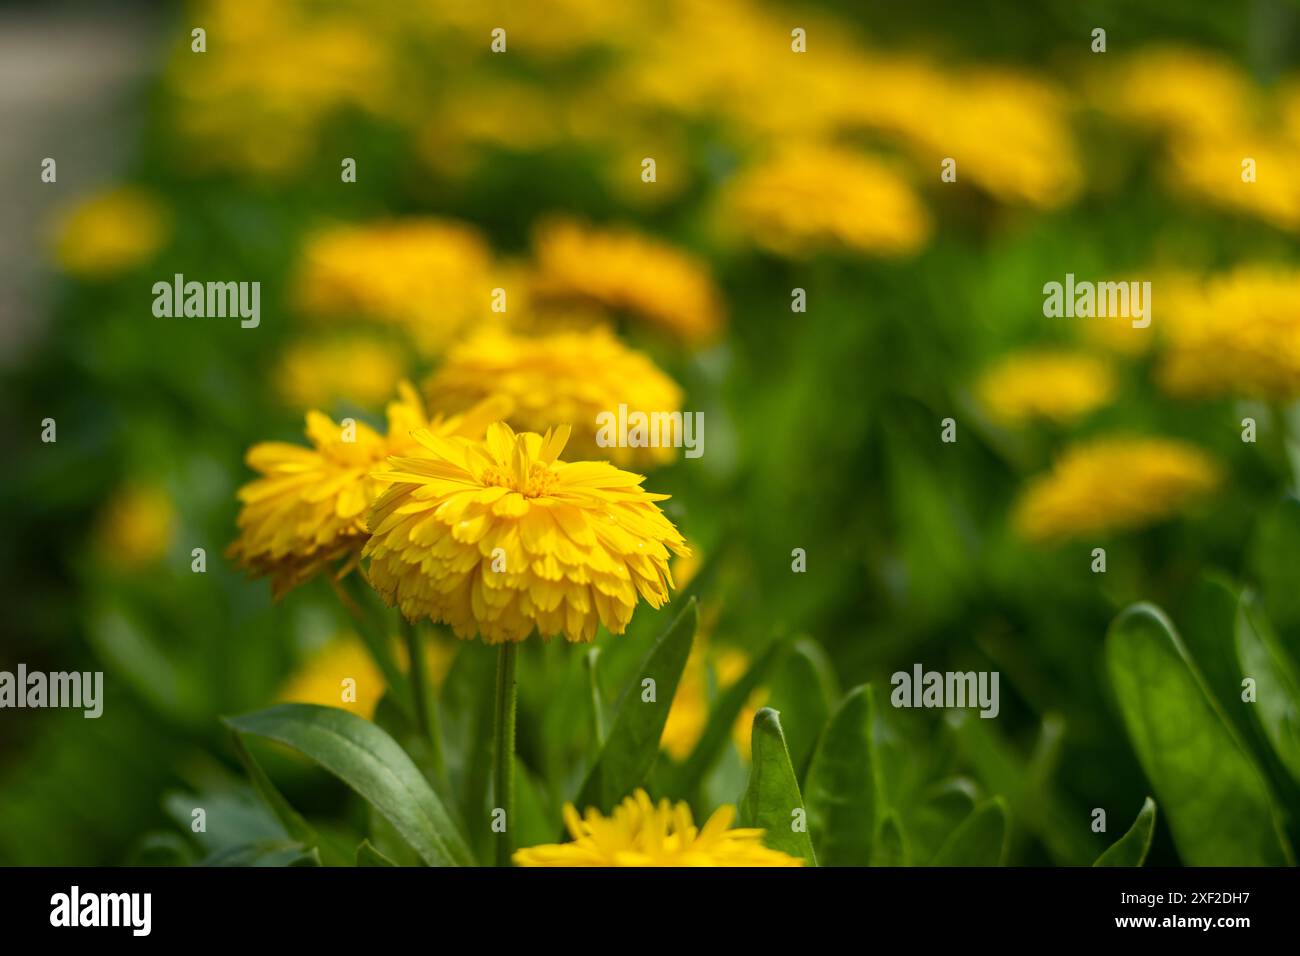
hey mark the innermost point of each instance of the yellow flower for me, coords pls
(1114, 484)
(308, 510)
(567, 377)
(136, 526)
(272, 75)
(343, 674)
(625, 272)
(340, 674)
(431, 278)
(111, 232)
(689, 713)
(498, 538)
(1240, 335)
(1057, 386)
(316, 372)
(814, 199)
(1211, 169)
(1176, 90)
(641, 833)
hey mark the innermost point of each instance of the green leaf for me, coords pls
(1275, 558)
(717, 732)
(1131, 849)
(371, 763)
(294, 825)
(802, 688)
(1219, 807)
(889, 847)
(843, 789)
(772, 797)
(264, 853)
(367, 855)
(1277, 686)
(980, 840)
(630, 750)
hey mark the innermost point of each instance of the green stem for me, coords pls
(503, 778)
(426, 709)
(593, 685)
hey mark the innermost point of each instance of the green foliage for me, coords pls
(1131, 849)
(772, 800)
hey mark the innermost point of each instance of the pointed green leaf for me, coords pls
(842, 786)
(630, 750)
(980, 840)
(772, 800)
(717, 732)
(1277, 685)
(889, 848)
(802, 688)
(292, 821)
(370, 762)
(1219, 808)
(367, 855)
(1131, 849)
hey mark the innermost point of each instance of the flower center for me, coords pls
(540, 481)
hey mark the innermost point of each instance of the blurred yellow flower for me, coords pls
(1055, 386)
(641, 833)
(316, 372)
(1211, 169)
(113, 231)
(689, 714)
(1114, 484)
(343, 674)
(564, 378)
(136, 526)
(272, 74)
(340, 674)
(500, 537)
(1175, 90)
(431, 278)
(1239, 335)
(308, 510)
(815, 199)
(620, 270)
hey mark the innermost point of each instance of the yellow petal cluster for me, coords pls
(111, 232)
(813, 199)
(562, 378)
(432, 278)
(642, 833)
(308, 509)
(1054, 386)
(628, 273)
(499, 538)
(1114, 484)
(1239, 336)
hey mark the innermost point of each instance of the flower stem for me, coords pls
(426, 709)
(504, 749)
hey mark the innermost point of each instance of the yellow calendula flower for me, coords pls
(642, 833)
(432, 278)
(1054, 386)
(500, 537)
(815, 199)
(1212, 170)
(308, 510)
(1239, 336)
(116, 230)
(1114, 484)
(569, 377)
(136, 526)
(623, 271)
(315, 372)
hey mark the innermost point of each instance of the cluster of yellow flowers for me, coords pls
(1228, 144)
